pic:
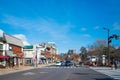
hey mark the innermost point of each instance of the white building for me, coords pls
(32, 53)
(28, 54)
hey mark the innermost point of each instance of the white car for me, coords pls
(58, 63)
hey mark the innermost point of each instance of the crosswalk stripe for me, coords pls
(60, 67)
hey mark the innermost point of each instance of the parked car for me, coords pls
(58, 63)
(68, 63)
(88, 63)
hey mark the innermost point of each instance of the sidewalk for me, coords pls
(108, 71)
(21, 68)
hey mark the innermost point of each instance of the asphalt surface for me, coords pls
(114, 73)
(57, 73)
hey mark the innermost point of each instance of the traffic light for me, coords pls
(113, 36)
(110, 39)
(116, 36)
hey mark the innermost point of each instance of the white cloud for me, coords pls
(23, 38)
(54, 29)
(1, 33)
(83, 29)
(116, 26)
(20, 36)
(41, 25)
(17, 22)
(86, 35)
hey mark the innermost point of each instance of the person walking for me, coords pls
(115, 64)
(112, 64)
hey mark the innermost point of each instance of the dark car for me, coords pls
(68, 63)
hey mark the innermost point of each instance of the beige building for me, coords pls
(50, 51)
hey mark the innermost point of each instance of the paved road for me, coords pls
(108, 71)
(57, 73)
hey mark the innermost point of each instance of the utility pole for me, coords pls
(108, 42)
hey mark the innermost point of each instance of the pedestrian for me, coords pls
(112, 65)
(115, 64)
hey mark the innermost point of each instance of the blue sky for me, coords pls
(69, 23)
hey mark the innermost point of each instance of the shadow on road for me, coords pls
(104, 79)
(86, 73)
(94, 75)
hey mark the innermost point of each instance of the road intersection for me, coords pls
(60, 73)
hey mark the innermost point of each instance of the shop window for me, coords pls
(1, 46)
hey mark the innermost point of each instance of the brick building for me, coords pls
(11, 51)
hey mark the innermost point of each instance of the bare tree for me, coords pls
(98, 48)
(99, 44)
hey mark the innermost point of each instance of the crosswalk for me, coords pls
(28, 73)
(60, 67)
(108, 71)
(32, 73)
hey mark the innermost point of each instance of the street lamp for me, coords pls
(108, 42)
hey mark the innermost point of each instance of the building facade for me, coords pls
(33, 54)
(11, 51)
(28, 54)
(50, 51)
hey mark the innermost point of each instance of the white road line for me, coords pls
(61, 67)
(43, 72)
(28, 73)
(108, 71)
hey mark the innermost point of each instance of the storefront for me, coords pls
(4, 61)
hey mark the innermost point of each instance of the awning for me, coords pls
(4, 57)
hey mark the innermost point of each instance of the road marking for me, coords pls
(28, 73)
(61, 67)
(108, 71)
(43, 72)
